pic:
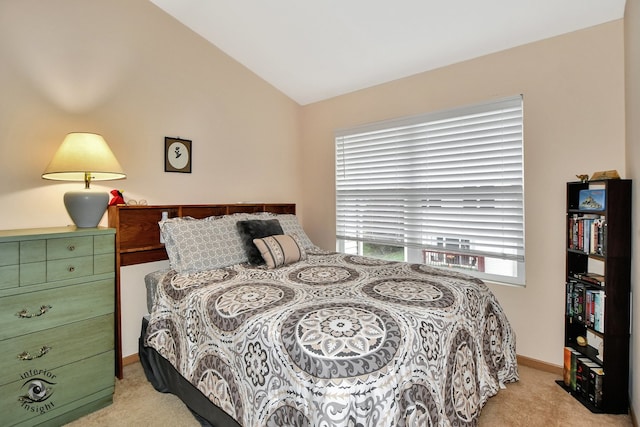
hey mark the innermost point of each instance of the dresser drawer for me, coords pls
(63, 269)
(9, 269)
(104, 263)
(69, 247)
(33, 273)
(104, 244)
(55, 347)
(9, 276)
(33, 251)
(42, 394)
(39, 310)
(9, 253)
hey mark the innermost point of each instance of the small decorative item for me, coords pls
(612, 174)
(117, 199)
(581, 341)
(591, 200)
(583, 178)
(177, 155)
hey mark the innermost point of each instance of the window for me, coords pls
(446, 188)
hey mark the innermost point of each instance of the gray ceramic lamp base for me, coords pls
(86, 207)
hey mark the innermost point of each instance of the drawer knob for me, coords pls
(24, 313)
(71, 269)
(71, 248)
(25, 355)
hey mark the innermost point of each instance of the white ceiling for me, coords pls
(317, 49)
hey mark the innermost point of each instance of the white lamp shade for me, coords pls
(82, 153)
(84, 157)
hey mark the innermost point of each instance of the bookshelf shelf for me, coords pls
(597, 290)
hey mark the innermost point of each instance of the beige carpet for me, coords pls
(533, 401)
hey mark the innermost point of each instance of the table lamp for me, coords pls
(84, 157)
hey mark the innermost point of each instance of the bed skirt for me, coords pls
(166, 379)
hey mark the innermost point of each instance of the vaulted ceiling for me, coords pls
(317, 49)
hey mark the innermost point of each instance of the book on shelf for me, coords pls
(594, 390)
(569, 298)
(590, 278)
(569, 368)
(598, 308)
(566, 367)
(587, 234)
(593, 278)
(575, 300)
(582, 376)
(594, 309)
(589, 314)
(574, 363)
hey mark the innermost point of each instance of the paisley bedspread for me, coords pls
(336, 340)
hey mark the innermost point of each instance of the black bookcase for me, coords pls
(598, 268)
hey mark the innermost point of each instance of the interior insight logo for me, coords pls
(37, 390)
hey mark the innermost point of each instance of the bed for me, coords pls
(311, 337)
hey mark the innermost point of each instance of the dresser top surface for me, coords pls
(49, 232)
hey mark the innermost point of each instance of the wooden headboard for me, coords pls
(138, 237)
(138, 234)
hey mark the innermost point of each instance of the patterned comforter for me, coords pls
(336, 340)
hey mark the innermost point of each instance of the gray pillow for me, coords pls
(195, 245)
(290, 225)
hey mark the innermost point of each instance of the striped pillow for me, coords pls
(281, 249)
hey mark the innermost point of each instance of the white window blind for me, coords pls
(451, 176)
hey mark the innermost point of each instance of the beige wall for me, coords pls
(573, 88)
(632, 80)
(125, 69)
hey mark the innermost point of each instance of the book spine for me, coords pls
(574, 367)
(570, 223)
(566, 370)
(578, 301)
(580, 235)
(582, 377)
(589, 312)
(599, 311)
(593, 384)
(569, 298)
(594, 280)
(597, 385)
(586, 234)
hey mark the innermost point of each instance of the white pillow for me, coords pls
(279, 250)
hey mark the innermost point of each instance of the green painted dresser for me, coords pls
(57, 324)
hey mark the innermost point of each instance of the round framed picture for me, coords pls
(177, 155)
